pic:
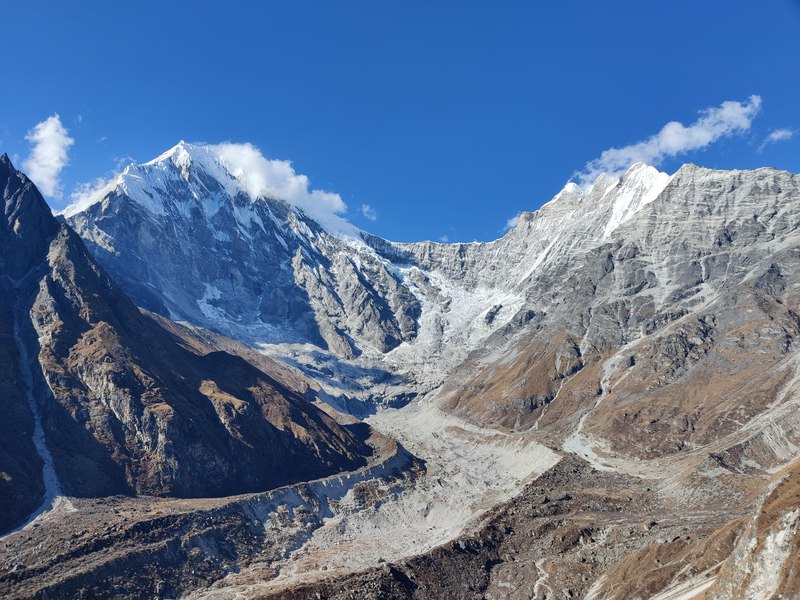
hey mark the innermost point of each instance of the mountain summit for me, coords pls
(241, 262)
(114, 403)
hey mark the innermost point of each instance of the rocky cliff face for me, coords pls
(695, 291)
(185, 239)
(114, 404)
(21, 482)
(764, 562)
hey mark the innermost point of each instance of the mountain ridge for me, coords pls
(357, 297)
(122, 407)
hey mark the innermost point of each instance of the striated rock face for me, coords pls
(123, 406)
(682, 324)
(765, 563)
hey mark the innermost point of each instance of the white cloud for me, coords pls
(48, 155)
(512, 222)
(369, 212)
(120, 162)
(277, 179)
(777, 135)
(444, 239)
(86, 194)
(728, 118)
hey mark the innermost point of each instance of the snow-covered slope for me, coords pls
(189, 236)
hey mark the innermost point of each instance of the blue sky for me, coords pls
(445, 118)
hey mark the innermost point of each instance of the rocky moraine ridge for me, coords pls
(602, 404)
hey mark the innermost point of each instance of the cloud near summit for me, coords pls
(50, 144)
(729, 118)
(369, 212)
(277, 179)
(777, 135)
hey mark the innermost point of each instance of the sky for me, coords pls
(428, 120)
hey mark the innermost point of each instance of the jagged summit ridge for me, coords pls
(619, 197)
(200, 167)
(187, 238)
(212, 174)
(401, 315)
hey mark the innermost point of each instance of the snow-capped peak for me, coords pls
(180, 154)
(588, 215)
(231, 168)
(638, 187)
(204, 157)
